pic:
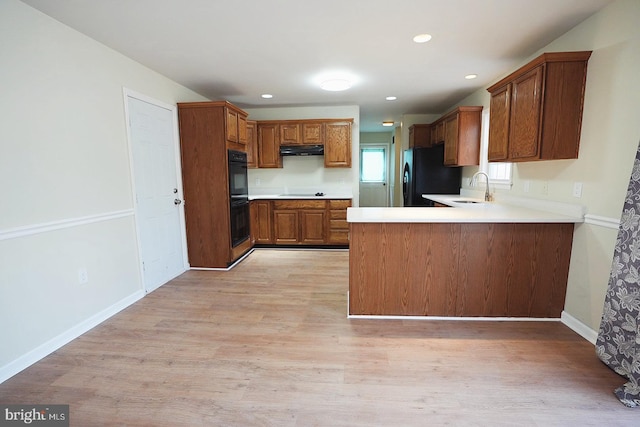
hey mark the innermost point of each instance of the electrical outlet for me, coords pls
(544, 189)
(527, 186)
(258, 182)
(577, 189)
(83, 276)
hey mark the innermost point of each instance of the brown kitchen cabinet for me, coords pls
(462, 136)
(235, 125)
(286, 226)
(205, 137)
(536, 111)
(437, 134)
(459, 277)
(299, 222)
(337, 145)
(261, 222)
(290, 134)
(451, 140)
(301, 132)
(295, 222)
(312, 133)
(269, 145)
(334, 134)
(338, 225)
(252, 144)
(420, 136)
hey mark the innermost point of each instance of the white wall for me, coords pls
(609, 139)
(67, 199)
(309, 173)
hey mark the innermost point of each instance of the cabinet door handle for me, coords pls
(177, 201)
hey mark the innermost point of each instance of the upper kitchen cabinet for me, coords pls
(236, 125)
(301, 132)
(234, 121)
(290, 133)
(337, 145)
(420, 136)
(269, 145)
(312, 133)
(536, 112)
(461, 128)
(437, 132)
(252, 144)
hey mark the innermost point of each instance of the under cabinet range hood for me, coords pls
(302, 150)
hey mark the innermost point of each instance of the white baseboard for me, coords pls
(579, 328)
(43, 350)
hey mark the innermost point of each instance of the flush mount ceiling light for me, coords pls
(266, 96)
(335, 85)
(470, 76)
(387, 123)
(391, 98)
(422, 38)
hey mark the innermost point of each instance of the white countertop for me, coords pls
(298, 196)
(480, 212)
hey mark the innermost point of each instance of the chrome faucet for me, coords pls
(474, 181)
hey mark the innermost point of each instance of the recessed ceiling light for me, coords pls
(266, 96)
(391, 98)
(470, 76)
(422, 38)
(387, 123)
(335, 85)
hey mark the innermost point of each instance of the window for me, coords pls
(372, 165)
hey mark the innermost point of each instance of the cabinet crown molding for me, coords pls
(546, 57)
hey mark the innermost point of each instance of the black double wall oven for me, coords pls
(238, 197)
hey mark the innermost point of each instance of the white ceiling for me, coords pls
(238, 50)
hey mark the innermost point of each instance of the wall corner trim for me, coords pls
(579, 328)
(43, 350)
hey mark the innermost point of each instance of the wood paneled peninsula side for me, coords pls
(462, 260)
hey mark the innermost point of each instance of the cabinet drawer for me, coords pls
(299, 204)
(338, 224)
(338, 214)
(339, 204)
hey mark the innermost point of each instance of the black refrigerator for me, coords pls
(425, 173)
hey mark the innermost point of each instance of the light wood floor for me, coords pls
(269, 344)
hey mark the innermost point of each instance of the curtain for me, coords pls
(618, 343)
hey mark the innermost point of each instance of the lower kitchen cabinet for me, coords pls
(260, 211)
(300, 222)
(338, 225)
(459, 269)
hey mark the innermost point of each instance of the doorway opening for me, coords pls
(374, 175)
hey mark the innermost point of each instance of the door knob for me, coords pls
(177, 201)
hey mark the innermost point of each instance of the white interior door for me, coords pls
(374, 175)
(158, 195)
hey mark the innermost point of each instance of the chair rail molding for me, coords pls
(29, 230)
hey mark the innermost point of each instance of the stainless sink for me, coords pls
(466, 201)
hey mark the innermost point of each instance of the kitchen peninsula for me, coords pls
(469, 258)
